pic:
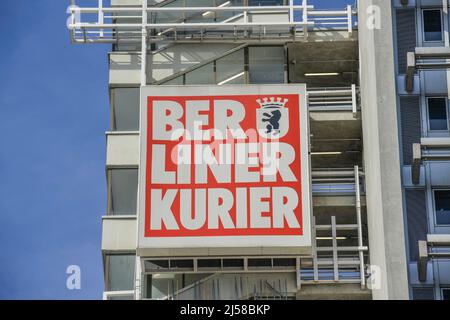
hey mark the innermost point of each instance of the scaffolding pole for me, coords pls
(358, 221)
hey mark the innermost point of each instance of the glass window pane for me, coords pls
(432, 25)
(123, 198)
(230, 69)
(265, 3)
(185, 264)
(442, 205)
(164, 284)
(155, 265)
(446, 294)
(121, 272)
(437, 113)
(233, 263)
(209, 263)
(178, 81)
(202, 75)
(423, 293)
(284, 262)
(224, 15)
(266, 65)
(121, 297)
(167, 17)
(126, 109)
(257, 263)
(200, 16)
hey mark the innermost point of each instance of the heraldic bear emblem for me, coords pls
(272, 117)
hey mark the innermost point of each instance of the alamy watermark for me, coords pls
(73, 281)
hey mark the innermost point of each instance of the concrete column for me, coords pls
(381, 149)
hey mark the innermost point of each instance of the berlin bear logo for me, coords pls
(272, 117)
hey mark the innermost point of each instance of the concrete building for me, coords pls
(377, 96)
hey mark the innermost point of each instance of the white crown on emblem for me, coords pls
(272, 103)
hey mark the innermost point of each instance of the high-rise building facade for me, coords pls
(421, 50)
(371, 81)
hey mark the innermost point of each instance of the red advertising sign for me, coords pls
(224, 168)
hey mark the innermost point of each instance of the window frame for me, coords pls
(427, 99)
(109, 195)
(423, 287)
(125, 293)
(442, 291)
(436, 224)
(108, 291)
(423, 26)
(113, 102)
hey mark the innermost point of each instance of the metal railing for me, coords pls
(333, 262)
(127, 24)
(338, 99)
(334, 182)
(235, 287)
(425, 58)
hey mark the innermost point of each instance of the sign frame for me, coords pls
(265, 241)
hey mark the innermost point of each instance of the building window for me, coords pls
(437, 114)
(120, 272)
(125, 109)
(202, 75)
(442, 206)
(423, 293)
(161, 285)
(432, 25)
(257, 3)
(266, 64)
(123, 185)
(445, 294)
(119, 295)
(231, 69)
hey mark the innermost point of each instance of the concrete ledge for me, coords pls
(438, 239)
(416, 163)
(337, 201)
(338, 291)
(410, 69)
(119, 233)
(218, 252)
(435, 142)
(432, 52)
(122, 149)
(423, 261)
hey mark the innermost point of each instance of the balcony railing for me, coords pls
(127, 24)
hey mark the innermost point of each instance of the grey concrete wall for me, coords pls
(118, 233)
(381, 151)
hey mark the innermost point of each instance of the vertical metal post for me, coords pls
(446, 39)
(138, 281)
(349, 20)
(305, 17)
(358, 221)
(314, 248)
(144, 44)
(335, 253)
(445, 12)
(299, 273)
(246, 32)
(354, 102)
(73, 13)
(291, 11)
(100, 16)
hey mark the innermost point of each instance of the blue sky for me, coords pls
(53, 115)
